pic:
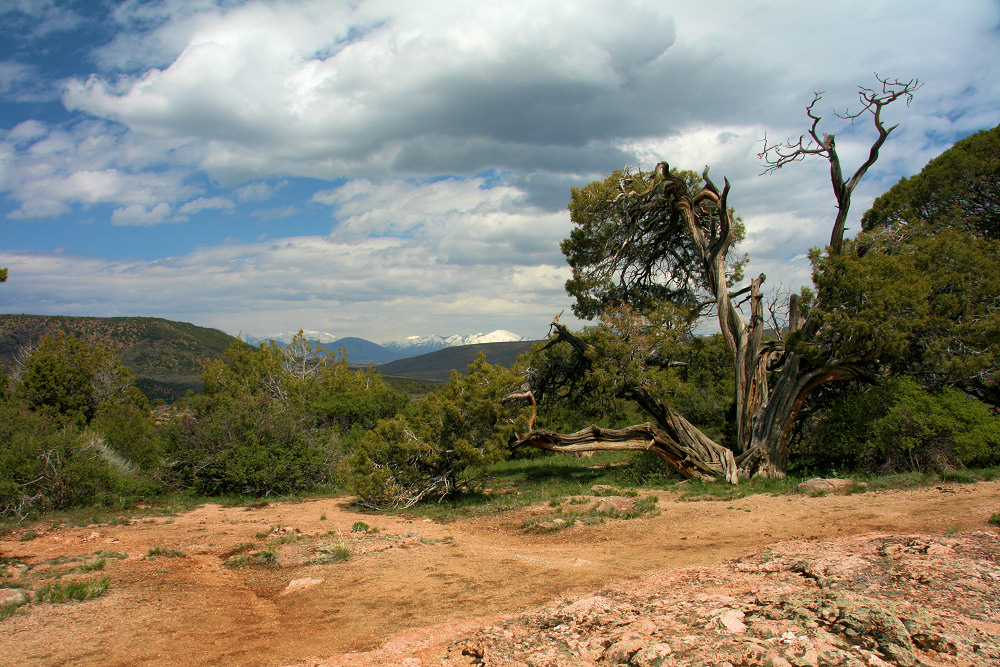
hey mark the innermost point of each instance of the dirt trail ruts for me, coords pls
(413, 574)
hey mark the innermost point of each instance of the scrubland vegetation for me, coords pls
(910, 303)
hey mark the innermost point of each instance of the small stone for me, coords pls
(622, 652)
(732, 622)
(299, 584)
(652, 656)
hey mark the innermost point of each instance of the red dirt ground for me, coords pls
(415, 583)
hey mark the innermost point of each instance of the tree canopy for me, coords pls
(962, 185)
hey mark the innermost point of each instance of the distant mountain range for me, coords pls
(361, 351)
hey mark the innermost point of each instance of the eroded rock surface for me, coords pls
(876, 600)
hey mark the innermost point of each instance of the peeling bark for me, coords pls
(765, 415)
(693, 462)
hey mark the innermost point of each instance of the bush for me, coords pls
(897, 425)
(250, 446)
(462, 425)
(44, 466)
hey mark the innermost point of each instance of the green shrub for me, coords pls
(253, 447)
(46, 466)
(73, 590)
(464, 424)
(264, 558)
(897, 425)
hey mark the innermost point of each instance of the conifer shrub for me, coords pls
(44, 465)
(465, 424)
(251, 446)
(896, 426)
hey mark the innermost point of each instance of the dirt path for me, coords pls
(414, 573)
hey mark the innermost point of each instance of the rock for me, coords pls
(732, 622)
(616, 504)
(12, 597)
(299, 584)
(622, 652)
(821, 485)
(652, 656)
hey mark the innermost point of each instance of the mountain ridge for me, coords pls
(362, 351)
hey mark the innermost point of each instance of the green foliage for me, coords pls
(275, 420)
(73, 379)
(46, 466)
(897, 425)
(642, 258)
(962, 182)
(463, 424)
(251, 446)
(74, 590)
(654, 352)
(920, 299)
(130, 431)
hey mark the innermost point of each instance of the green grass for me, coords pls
(73, 590)
(163, 552)
(995, 519)
(561, 519)
(953, 530)
(331, 553)
(263, 558)
(28, 536)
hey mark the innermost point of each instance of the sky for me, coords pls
(388, 168)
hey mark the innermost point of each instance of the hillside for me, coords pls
(437, 366)
(166, 356)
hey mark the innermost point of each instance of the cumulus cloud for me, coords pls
(442, 138)
(206, 203)
(140, 216)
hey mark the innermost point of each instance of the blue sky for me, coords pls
(383, 169)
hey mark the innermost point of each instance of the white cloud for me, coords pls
(457, 129)
(206, 203)
(140, 216)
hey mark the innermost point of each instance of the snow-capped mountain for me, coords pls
(414, 345)
(397, 349)
(286, 338)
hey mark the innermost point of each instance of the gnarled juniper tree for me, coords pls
(643, 239)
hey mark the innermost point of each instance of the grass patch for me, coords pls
(28, 536)
(362, 527)
(287, 538)
(958, 476)
(995, 519)
(697, 490)
(561, 519)
(96, 564)
(163, 552)
(953, 530)
(263, 558)
(73, 590)
(331, 553)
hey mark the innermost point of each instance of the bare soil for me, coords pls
(420, 592)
